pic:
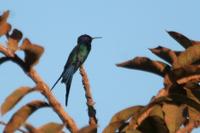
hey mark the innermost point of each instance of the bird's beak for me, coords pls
(96, 38)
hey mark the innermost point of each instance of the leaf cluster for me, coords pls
(177, 104)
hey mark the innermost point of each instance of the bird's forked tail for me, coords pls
(56, 81)
(67, 79)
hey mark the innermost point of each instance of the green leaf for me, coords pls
(88, 129)
(14, 98)
(51, 128)
(22, 115)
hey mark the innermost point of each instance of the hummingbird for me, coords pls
(76, 58)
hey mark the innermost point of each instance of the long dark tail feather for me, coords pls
(68, 85)
(67, 79)
(56, 81)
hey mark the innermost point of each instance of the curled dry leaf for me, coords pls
(153, 124)
(188, 57)
(157, 111)
(88, 129)
(166, 54)
(51, 127)
(192, 96)
(125, 114)
(120, 118)
(4, 17)
(145, 64)
(30, 128)
(112, 127)
(14, 39)
(173, 116)
(182, 99)
(187, 74)
(22, 114)
(183, 40)
(4, 28)
(14, 98)
(33, 52)
(193, 114)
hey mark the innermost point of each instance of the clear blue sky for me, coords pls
(128, 29)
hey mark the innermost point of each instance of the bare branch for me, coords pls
(3, 123)
(45, 90)
(88, 95)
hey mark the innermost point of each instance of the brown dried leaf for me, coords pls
(192, 96)
(157, 111)
(12, 45)
(4, 17)
(188, 57)
(51, 127)
(183, 40)
(187, 74)
(132, 131)
(16, 35)
(14, 98)
(165, 53)
(153, 124)
(88, 129)
(4, 28)
(22, 114)
(112, 127)
(126, 113)
(14, 39)
(182, 99)
(194, 115)
(173, 116)
(33, 52)
(145, 64)
(31, 128)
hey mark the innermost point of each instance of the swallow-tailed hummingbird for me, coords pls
(76, 58)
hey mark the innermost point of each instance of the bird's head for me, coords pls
(86, 39)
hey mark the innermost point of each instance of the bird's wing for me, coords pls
(82, 55)
(72, 57)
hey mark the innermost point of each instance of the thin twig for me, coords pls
(3, 123)
(45, 90)
(88, 95)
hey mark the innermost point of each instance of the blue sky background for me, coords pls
(128, 29)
